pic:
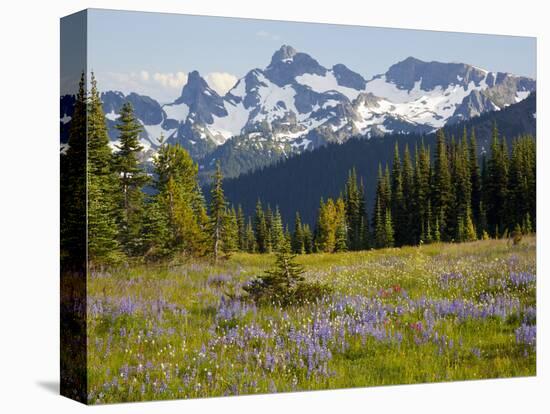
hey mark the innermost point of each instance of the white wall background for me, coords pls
(29, 224)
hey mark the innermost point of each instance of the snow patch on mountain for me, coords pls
(154, 132)
(177, 112)
(275, 101)
(327, 82)
(521, 95)
(231, 124)
(112, 116)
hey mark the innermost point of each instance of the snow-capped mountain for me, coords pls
(295, 104)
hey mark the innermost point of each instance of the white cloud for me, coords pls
(221, 82)
(162, 86)
(268, 35)
(171, 80)
(144, 75)
(165, 87)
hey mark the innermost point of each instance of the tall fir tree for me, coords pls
(521, 181)
(230, 232)
(269, 229)
(388, 229)
(132, 178)
(462, 192)
(475, 179)
(408, 199)
(217, 213)
(329, 216)
(497, 183)
(422, 193)
(251, 246)
(297, 244)
(241, 225)
(308, 239)
(364, 221)
(179, 197)
(277, 231)
(260, 229)
(341, 227)
(442, 184)
(398, 211)
(73, 184)
(355, 211)
(102, 186)
(379, 226)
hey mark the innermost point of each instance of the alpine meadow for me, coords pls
(305, 228)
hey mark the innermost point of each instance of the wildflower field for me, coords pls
(439, 312)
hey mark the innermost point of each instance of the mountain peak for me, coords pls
(284, 53)
(196, 89)
(411, 60)
(195, 81)
(287, 63)
(406, 73)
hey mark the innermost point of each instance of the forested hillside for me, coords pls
(297, 183)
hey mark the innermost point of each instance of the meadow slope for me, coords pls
(439, 312)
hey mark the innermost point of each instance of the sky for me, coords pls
(151, 53)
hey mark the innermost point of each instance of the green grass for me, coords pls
(163, 332)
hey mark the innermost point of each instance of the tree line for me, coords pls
(445, 196)
(452, 198)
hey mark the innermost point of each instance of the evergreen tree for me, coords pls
(230, 232)
(180, 198)
(297, 245)
(388, 229)
(355, 211)
(475, 179)
(308, 239)
(364, 221)
(131, 180)
(382, 194)
(422, 187)
(387, 190)
(241, 225)
(260, 229)
(442, 185)
(341, 235)
(397, 200)
(102, 186)
(521, 182)
(250, 237)
(217, 212)
(462, 192)
(437, 234)
(156, 231)
(380, 238)
(288, 237)
(269, 229)
(483, 223)
(277, 232)
(279, 283)
(408, 199)
(470, 233)
(427, 232)
(497, 183)
(329, 215)
(73, 184)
